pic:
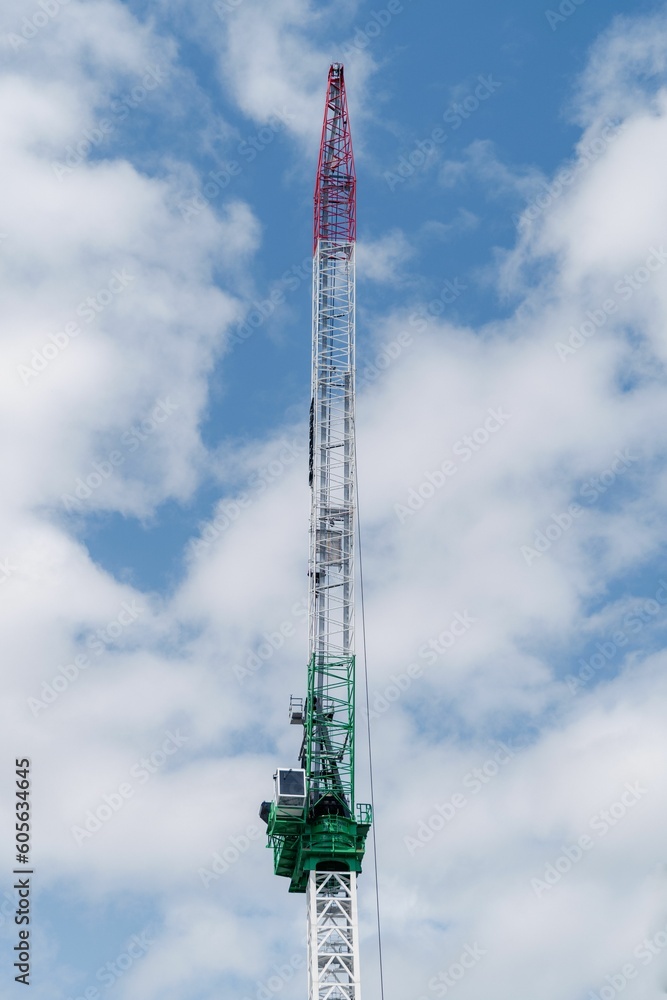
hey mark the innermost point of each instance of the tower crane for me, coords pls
(315, 828)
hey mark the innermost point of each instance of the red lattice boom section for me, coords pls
(335, 188)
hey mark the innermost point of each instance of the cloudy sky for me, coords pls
(157, 171)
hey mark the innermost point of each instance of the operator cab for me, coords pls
(290, 792)
(290, 795)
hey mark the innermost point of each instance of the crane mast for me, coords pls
(315, 828)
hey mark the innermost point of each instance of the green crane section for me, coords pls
(319, 827)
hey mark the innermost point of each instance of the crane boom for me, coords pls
(315, 828)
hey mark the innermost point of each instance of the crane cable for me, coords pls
(368, 720)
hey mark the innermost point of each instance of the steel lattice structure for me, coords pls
(315, 828)
(333, 956)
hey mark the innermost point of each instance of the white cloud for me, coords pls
(381, 260)
(481, 164)
(625, 71)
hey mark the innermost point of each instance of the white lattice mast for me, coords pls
(333, 937)
(316, 831)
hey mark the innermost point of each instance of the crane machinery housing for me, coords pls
(315, 828)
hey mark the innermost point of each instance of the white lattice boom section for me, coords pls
(333, 958)
(332, 512)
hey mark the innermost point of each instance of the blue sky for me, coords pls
(155, 247)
